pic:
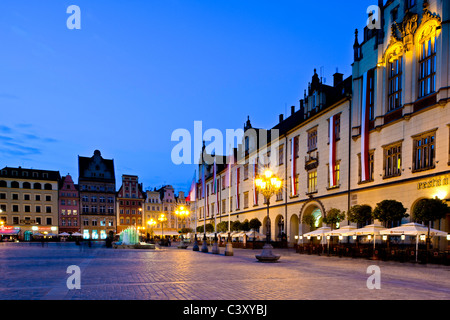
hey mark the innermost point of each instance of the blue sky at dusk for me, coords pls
(138, 70)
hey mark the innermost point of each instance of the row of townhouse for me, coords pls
(41, 202)
(382, 133)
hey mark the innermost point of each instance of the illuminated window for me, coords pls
(424, 151)
(395, 84)
(312, 181)
(393, 161)
(427, 68)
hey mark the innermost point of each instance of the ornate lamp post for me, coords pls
(268, 184)
(162, 218)
(182, 213)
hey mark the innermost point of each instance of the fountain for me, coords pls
(129, 239)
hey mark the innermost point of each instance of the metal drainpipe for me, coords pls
(349, 155)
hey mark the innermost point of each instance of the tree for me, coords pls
(222, 226)
(185, 230)
(428, 210)
(389, 211)
(236, 226)
(209, 227)
(360, 214)
(309, 220)
(245, 226)
(255, 224)
(333, 217)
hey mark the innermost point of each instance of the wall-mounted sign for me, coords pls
(433, 183)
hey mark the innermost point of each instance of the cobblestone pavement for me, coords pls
(31, 272)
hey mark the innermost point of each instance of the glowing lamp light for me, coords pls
(355, 237)
(268, 174)
(296, 237)
(341, 237)
(318, 237)
(53, 228)
(308, 237)
(448, 237)
(384, 238)
(403, 237)
(422, 237)
(328, 237)
(369, 237)
(34, 228)
(300, 237)
(441, 194)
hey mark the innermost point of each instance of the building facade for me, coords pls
(97, 187)
(130, 201)
(69, 206)
(29, 201)
(381, 134)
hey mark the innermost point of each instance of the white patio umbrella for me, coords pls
(76, 234)
(344, 231)
(414, 229)
(372, 229)
(64, 234)
(318, 233)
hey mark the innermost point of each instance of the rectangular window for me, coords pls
(15, 208)
(15, 220)
(245, 171)
(224, 203)
(393, 161)
(281, 155)
(312, 140)
(424, 151)
(26, 197)
(371, 94)
(27, 209)
(37, 197)
(38, 220)
(48, 221)
(371, 165)
(15, 196)
(427, 68)
(395, 84)
(48, 209)
(245, 200)
(337, 173)
(48, 198)
(2, 196)
(312, 181)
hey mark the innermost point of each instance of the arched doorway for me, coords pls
(316, 212)
(264, 227)
(279, 227)
(294, 228)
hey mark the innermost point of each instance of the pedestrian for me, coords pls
(168, 241)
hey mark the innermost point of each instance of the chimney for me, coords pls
(292, 110)
(337, 78)
(281, 118)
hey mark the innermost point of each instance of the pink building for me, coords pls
(69, 206)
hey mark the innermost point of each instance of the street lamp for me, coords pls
(162, 218)
(182, 213)
(268, 184)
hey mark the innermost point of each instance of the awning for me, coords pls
(165, 233)
(9, 232)
(413, 229)
(344, 231)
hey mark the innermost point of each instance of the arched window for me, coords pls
(26, 185)
(15, 184)
(37, 185)
(48, 186)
